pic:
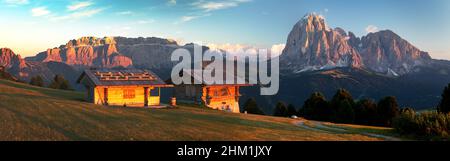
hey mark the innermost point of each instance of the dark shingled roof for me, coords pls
(194, 75)
(126, 77)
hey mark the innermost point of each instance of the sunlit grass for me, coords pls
(34, 113)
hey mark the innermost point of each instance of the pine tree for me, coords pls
(37, 81)
(281, 110)
(340, 96)
(366, 112)
(444, 105)
(316, 107)
(387, 110)
(343, 102)
(345, 112)
(60, 83)
(252, 107)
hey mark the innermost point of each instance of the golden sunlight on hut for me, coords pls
(130, 87)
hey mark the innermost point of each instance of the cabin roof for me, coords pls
(125, 77)
(196, 75)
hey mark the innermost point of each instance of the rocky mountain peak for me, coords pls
(8, 59)
(385, 51)
(313, 22)
(312, 45)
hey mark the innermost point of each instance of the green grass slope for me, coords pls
(34, 113)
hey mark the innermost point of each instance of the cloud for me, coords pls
(124, 13)
(188, 18)
(77, 15)
(145, 21)
(16, 2)
(172, 2)
(86, 13)
(217, 5)
(39, 11)
(277, 49)
(204, 8)
(371, 29)
(241, 49)
(79, 5)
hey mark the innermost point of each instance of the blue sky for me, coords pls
(29, 26)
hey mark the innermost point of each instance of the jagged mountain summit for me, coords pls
(10, 60)
(386, 51)
(312, 45)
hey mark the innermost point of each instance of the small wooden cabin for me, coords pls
(130, 87)
(223, 97)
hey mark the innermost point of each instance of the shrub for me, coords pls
(429, 125)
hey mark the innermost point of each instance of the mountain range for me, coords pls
(313, 45)
(316, 58)
(91, 52)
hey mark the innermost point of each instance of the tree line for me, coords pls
(342, 108)
(428, 125)
(58, 82)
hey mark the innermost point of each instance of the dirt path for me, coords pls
(320, 127)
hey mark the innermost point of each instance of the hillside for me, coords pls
(420, 89)
(34, 113)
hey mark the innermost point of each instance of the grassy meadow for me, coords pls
(39, 114)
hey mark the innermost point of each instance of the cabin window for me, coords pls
(129, 94)
(154, 92)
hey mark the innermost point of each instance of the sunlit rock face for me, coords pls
(86, 52)
(312, 45)
(23, 70)
(8, 59)
(110, 52)
(385, 51)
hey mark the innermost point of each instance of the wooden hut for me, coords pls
(130, 87)
(222, 96)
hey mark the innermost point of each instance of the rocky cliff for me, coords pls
(312, 45)
(386, 51)
(86, 52)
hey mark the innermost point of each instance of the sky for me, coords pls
(32, 26)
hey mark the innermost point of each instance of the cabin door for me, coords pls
(154, 97)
